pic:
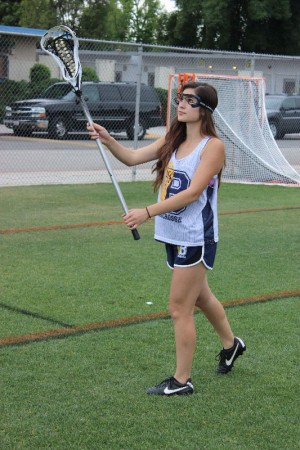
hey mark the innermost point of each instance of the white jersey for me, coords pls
(194, 224)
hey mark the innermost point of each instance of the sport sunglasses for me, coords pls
(193, 100)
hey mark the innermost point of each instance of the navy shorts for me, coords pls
(181, 256)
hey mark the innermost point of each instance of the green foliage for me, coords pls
(11, 90)
(166, 26)
(143, 23)
(268, 26)
(38, 14)
(186, 22)
(10, 12)
(274, 28)
(103, 20)
(39, 72)
(89, 74)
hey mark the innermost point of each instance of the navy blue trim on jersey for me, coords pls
(208, 217)
(182, 256)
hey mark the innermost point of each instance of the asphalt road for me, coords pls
(37, 158)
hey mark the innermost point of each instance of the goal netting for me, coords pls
(252, 154)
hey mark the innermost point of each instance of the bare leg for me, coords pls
(189, 288)
(186, 286)
(215, 313)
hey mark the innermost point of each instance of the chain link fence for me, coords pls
(42, 127)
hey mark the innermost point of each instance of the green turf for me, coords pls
(89, 274)
(87, 391)
(34, 206)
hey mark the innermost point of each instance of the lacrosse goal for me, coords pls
(252, 154)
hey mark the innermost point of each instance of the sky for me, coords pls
(169, 5)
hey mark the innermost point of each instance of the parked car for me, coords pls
(58, 111)
(283, 112)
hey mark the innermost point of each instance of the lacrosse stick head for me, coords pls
(62, 44)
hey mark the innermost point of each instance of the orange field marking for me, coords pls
(61, 227)
(119, 222)
(258, 210)
(79, 329)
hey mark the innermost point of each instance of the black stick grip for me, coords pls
(135, 234)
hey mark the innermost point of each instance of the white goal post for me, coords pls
(252, 154)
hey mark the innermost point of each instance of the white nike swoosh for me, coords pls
(228, 362)
(173, 391)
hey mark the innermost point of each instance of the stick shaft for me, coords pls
(107, 165)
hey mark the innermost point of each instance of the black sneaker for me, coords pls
(170, 386)
(227, 357)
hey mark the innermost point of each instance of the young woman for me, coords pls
(189, 163)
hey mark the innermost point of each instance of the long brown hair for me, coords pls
(177, 132)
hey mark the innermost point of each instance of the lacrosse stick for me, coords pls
(62, 44)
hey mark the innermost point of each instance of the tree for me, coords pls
(67, 12)
(9, 12)
(187, 22)
(263, 26)
(277, 31)
(143, 20)
(37, 14)
(89, 74)
(266, 26)
(39, 72)
(48, 13)
(166, 26)
(102, 20)
(229, 25)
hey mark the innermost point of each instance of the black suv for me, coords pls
(283, 112)
(58, 111)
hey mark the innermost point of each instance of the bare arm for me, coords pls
(126, 155)
(211, 163)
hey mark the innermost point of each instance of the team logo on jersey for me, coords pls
(180, 182)
(174, 181)
(168, 177)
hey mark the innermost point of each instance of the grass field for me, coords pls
(65, 267)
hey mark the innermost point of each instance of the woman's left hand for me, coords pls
(135, 217)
